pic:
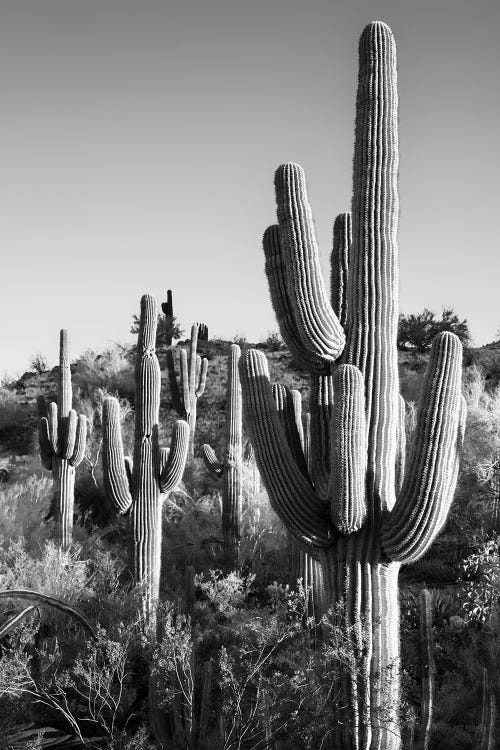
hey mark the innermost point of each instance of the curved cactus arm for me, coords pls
(115, 475)
(80, 441)
(339, 266)
(401, 445)
(68, 434)
(202, 378)
(52, 419)
(290, 493)
(211, 461)
(12, 622)
(52, 601)
(276, 277)
(317, 324)
(348, 445)
(173, 470)
(286, 406)
(430, 478)
(46, 448)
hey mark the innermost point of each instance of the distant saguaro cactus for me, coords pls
(193, 378)
(348, 512)
(62, 438)
(138, 487)
(231, 467)
(168, 310)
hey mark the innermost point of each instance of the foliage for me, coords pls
(417, 331)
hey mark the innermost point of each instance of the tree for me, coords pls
(417, 331)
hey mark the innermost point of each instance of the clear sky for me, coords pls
(139, 140)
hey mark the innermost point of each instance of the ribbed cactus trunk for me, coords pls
(139, 487)
(62, 437)
(360, 510)
(231, 467)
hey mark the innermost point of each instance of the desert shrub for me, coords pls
(273, 342)
(17, 423)
(111, 371)
(23, 507)
(417, 331)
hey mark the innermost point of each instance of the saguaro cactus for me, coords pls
(168, 310)
(62, 438)
(349, 513)
(231, 467)
(139, 487)
(193, 378)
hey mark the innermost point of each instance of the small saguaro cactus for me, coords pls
(351, 511)
(193, 378)
(138, 487)
(231, 467)
(62, 438)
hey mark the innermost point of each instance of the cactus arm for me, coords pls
(289, 491)
(317, 325)
(80, 441)
(52, 601)
(287, 406)
(53, 428)
(193, 360)
(429, 483)
(401, 445)
(372, 315)
(68, 434)
(186, 399)
(12, 622)
(211, 461)
(171, 473)
(342, 238)
(348, 445)
(46, 450)
(202, 378)
(115, 476)
(65, 394)
(276, 277)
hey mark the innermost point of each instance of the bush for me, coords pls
(417, 331)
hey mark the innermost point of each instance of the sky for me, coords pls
(139, 141)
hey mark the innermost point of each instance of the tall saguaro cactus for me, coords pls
(193, 378)
(138, 487)
(349, 512)
(62, 438)
(231, 467)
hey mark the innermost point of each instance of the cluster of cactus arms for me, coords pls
(138, 487)
(62, 436)
(360, 511)
(168, 310)
(231, 467)
(202, 332)
(193, 378)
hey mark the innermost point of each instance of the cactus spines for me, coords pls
(62, 436)
(193, 378)
(139, 487)
(231, 468)
(349, 510)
